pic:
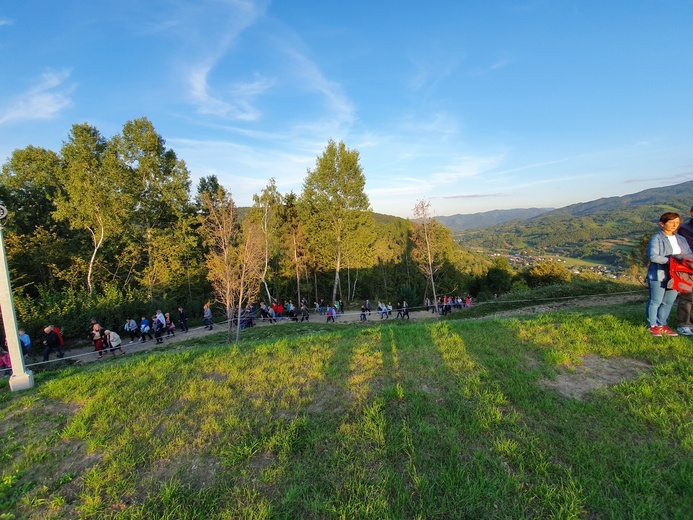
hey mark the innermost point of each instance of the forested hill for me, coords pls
(461, 222)
(677, 197)
(604, 230)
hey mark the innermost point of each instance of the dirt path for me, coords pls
(86, 354)
(578, 301)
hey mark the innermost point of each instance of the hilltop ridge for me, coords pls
(605, 230)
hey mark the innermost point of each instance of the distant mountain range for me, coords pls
(460, 222)
(604, 230)
(678, 196)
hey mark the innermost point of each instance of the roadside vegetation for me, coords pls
(422, 419)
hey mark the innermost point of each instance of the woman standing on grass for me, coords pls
(663, 245)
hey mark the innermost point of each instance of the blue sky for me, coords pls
(472, 105)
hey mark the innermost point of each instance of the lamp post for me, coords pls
(21, 378)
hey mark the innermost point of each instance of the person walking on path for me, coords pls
(183, 319)
(305, 313)
(170, 326)
(382, 309)
(98, 338)
(5, 362)
(161, 319)
(113, 341)
(330, 314)
(25, 342)
(158, 329)
(52, 342)
(207, 316)
(132, 329)
(145, 329)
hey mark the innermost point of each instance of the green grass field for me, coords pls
(444, 419)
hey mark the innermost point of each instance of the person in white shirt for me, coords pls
(113, 341)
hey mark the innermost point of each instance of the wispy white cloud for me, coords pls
(241, 107)
(662, 180)
(466, 168)
(563, 179)
(432, 67)
(239, 101)
(208, 33)
(438, 126)
(5, 21)
(237, 166)
(399, 187)
(473, 196)
(370, 139)
(159, 26)
(339, 107)
(536, 165)
(45, 100)
(499, 64)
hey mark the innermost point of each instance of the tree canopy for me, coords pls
(116, 216)
(337, 212)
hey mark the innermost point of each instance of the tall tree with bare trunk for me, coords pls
(337, 214)
(235, 257)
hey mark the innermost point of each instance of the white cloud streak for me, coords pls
(466, 168)
(42, 101)
(338, 104)
(233, 102)
(433, 68)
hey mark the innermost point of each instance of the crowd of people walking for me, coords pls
(109, 341)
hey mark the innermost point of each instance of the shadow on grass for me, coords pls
(394, 420)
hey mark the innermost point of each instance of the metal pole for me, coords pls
(21, 378)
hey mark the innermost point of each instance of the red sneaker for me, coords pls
(655, 330)
(666, 330)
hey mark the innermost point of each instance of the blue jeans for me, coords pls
(659, 303)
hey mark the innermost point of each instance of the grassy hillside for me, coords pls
(403, 420)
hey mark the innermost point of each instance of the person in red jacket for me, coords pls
(5, 362)
(684, 320)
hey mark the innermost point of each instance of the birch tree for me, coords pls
(160, 218)
(91, 196)
(295, 241)
(234, 259)
(265, 213)
(337, 212)
(425, 246)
